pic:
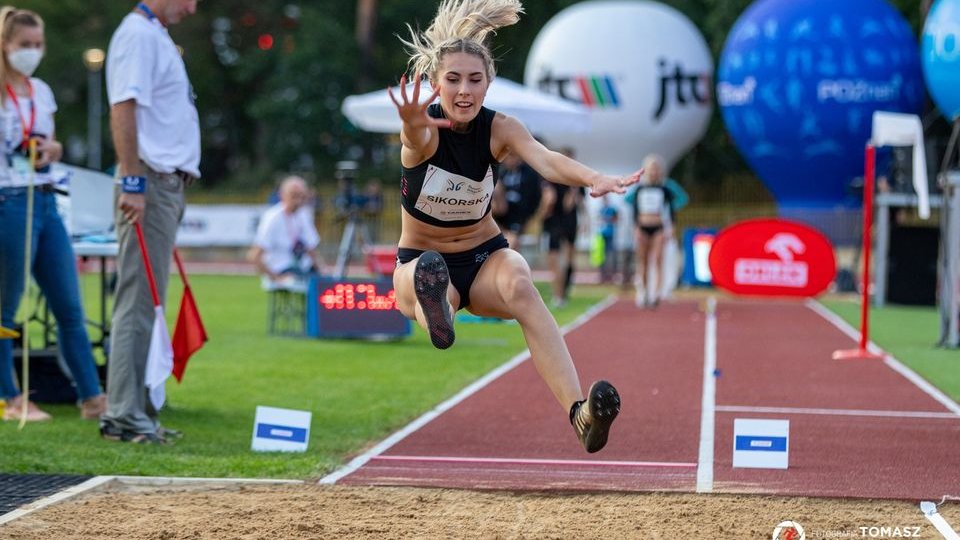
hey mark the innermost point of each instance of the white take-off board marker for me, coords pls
(761, 444)
(280, 430)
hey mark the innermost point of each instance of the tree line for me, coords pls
(270, 76)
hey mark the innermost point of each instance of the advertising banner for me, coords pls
(772, 257)
(642, 68)
(798, 83)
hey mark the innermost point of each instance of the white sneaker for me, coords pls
(641, 296)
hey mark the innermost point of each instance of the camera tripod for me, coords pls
(356, 233)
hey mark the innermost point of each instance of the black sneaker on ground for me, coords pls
(112, 433)
(592, 417)
(430, 281)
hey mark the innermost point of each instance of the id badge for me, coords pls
(21, 165)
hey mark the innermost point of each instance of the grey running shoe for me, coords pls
(593, 416)
(430, 281)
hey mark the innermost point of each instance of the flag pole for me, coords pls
(146, 264)
(160, 354)
(183, 274)
(27, 247)
(862, 351)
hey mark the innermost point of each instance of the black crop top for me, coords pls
(455, 186)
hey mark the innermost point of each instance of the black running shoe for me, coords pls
(593, 416)
(430, 280)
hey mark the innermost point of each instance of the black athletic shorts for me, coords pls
(463, 266)
(650, 230)
(560, 234)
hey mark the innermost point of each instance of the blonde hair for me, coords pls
(460, 26)
(12, 18)
(654, 159)
(651, 159)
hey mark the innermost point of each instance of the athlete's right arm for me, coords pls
(418, 126)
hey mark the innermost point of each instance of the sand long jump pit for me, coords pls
(134, 508)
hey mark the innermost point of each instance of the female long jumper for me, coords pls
(452, 254)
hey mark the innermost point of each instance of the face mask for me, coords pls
(25, 60)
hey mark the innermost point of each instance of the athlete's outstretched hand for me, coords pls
(412, 112)
(614, 184)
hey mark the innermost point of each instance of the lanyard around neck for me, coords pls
(292, 232)
(151, 16)
(27, 128)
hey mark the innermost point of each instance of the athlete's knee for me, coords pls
(408, 308)
(517, 287)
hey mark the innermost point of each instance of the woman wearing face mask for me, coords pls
(452, 255)
(27, 113)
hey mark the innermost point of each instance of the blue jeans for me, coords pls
(54, 268)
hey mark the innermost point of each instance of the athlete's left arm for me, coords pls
(510, 135)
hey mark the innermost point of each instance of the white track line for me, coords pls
(709, 400)
(429, 416)
(889, 359)
(839, 412)
(528, 461)
(929, 510)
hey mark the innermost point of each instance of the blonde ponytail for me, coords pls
(460, 26)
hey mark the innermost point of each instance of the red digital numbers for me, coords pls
(357, 296)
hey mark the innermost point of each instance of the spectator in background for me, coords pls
(156, 133)
(285, 247)
(27, 113)
(608, 228)
(561, 208)
(518, 194)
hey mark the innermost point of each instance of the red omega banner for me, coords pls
(772, 257)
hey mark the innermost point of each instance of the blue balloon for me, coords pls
(798, 83)
(940, 50)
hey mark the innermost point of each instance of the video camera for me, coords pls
(348, 201)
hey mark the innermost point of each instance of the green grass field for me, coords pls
(359, 392)
(909, 334)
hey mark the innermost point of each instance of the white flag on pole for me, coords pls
(159, 360)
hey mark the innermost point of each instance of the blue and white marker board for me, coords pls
(280, 430)
(761, 444)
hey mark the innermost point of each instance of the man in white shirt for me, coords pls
(285, 247)
(156, 133)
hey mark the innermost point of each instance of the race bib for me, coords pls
(451, 197)
(650, 201)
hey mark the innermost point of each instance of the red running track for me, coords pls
(858, 429)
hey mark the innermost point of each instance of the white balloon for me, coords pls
(643, 68)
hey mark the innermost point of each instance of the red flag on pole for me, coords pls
(189, 334)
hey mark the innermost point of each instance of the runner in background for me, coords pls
(651, 210)
(516, 198)
(560, 221)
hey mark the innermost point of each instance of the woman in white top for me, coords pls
(652, 215)
(27, 113)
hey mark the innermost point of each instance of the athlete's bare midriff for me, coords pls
(650, 220)
(419, 235)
